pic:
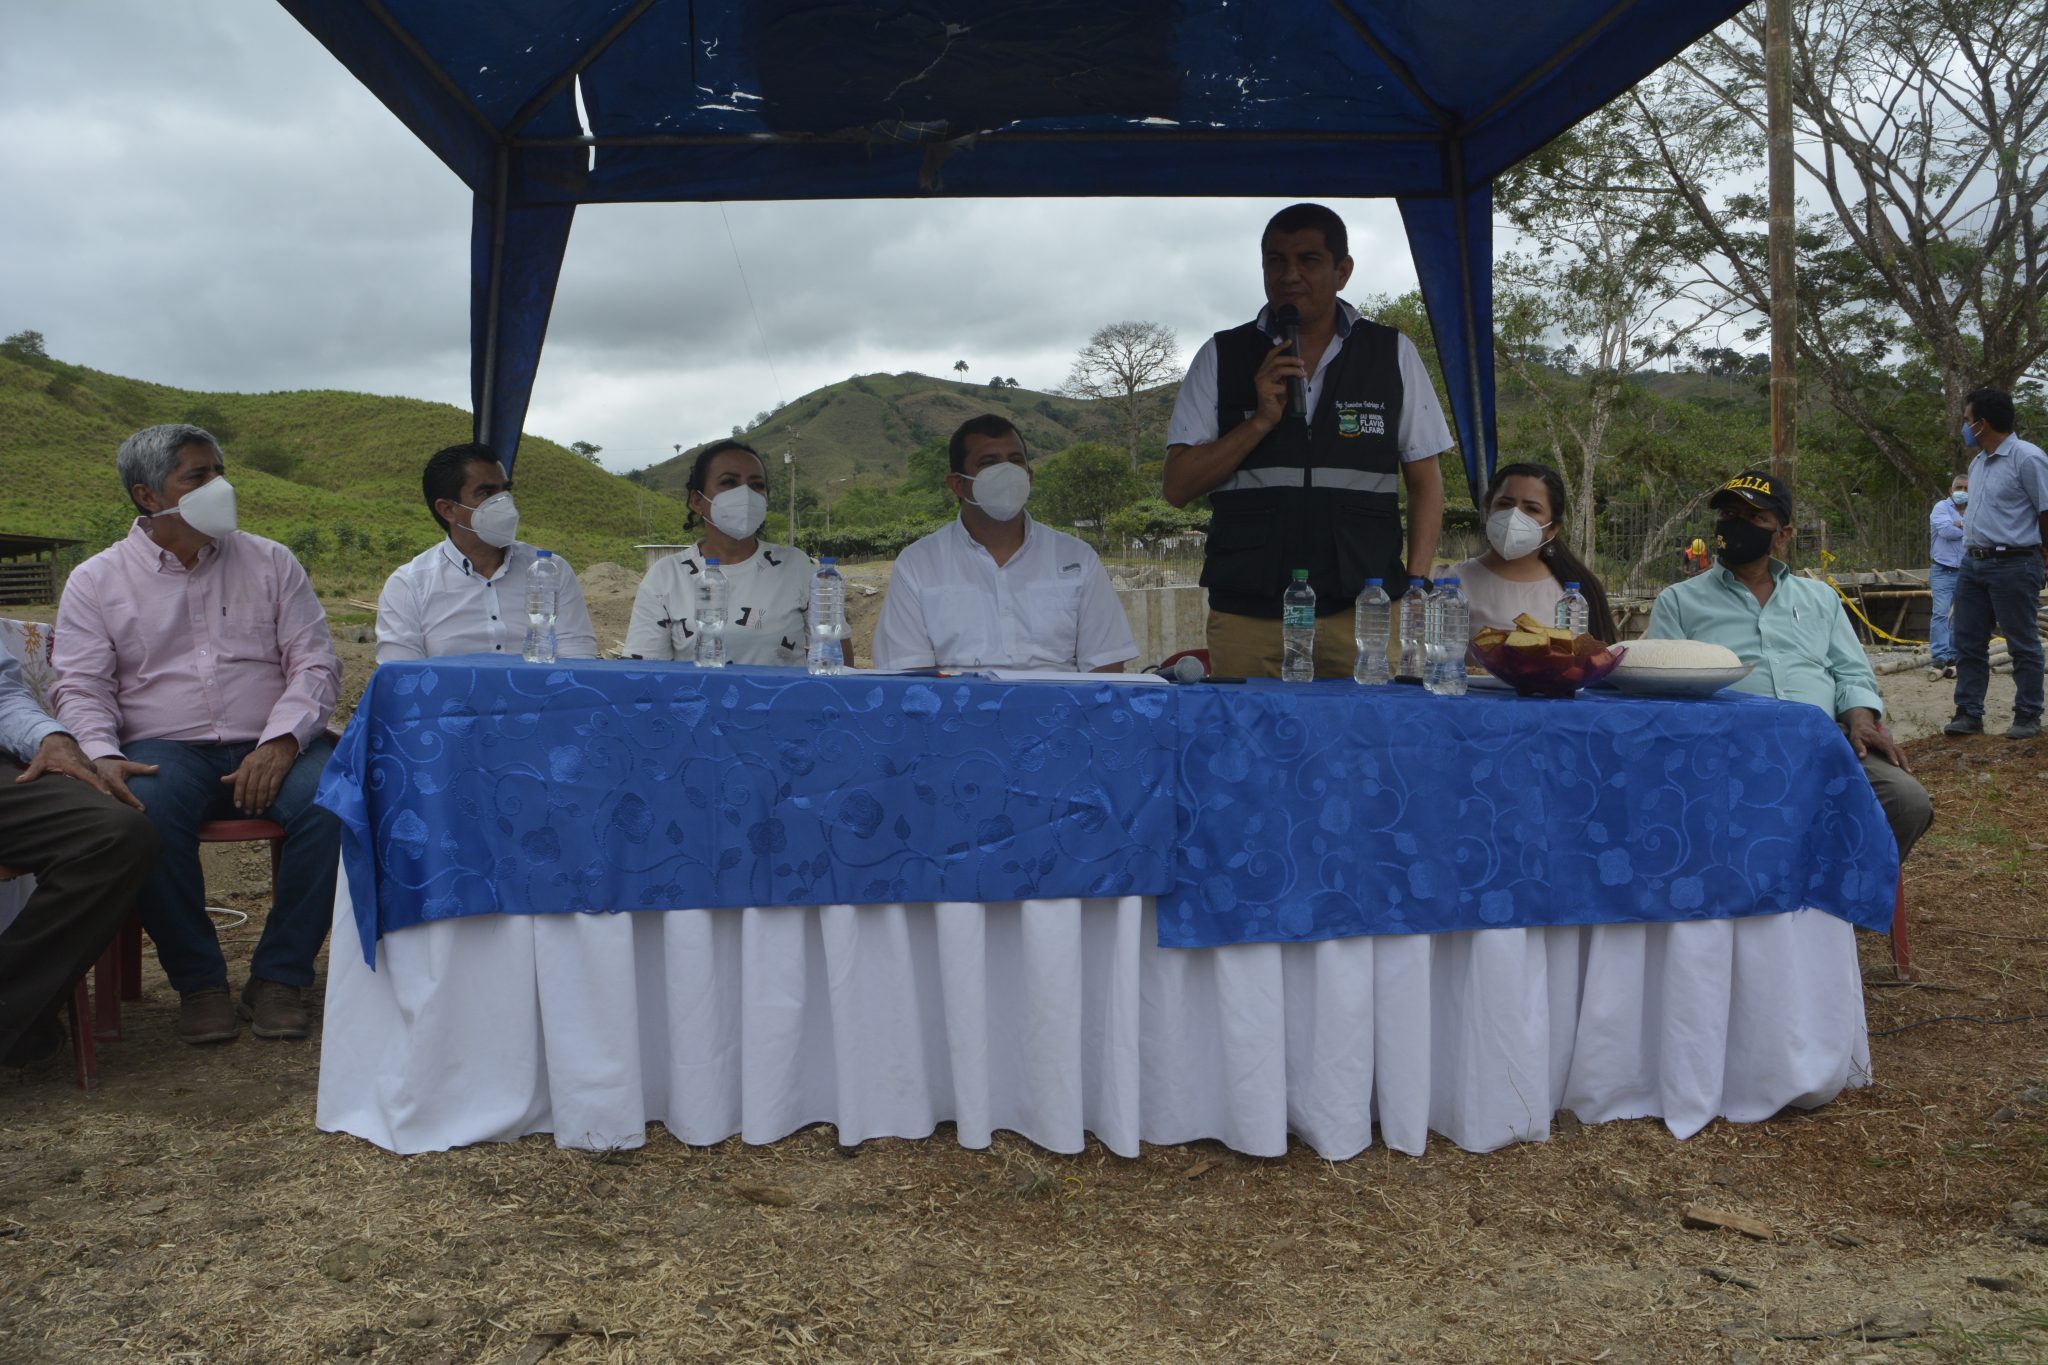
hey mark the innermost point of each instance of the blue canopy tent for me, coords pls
(1417, 100)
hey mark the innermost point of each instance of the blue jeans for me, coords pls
(2007, 591)
(185, 793)
(1941, 632)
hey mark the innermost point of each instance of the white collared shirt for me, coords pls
(1050, 608)
(438, 604)
(767, 607)
(1422, 432)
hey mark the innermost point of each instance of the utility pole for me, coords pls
(1784, 316)
(789, 471)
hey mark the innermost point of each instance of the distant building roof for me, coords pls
(14, 546)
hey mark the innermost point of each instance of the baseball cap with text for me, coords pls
(1759, 490)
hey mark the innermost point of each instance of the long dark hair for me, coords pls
(1557, 556)
(700, 470)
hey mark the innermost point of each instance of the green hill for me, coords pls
(864, 428)
(336, 475)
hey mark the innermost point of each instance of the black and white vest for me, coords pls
(1322, 496)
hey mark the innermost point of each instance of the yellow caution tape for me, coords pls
(1849, 602)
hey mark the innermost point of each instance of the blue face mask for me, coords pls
(1969, 437)
(1961, 498)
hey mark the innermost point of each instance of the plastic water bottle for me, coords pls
(1450, 631)
(1414, 609)
(1371, 619)
(1573, 611)
(828, 618)
(1298, 630)
(543, 597)
(711, 591)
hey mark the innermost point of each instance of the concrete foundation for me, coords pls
(1165, 621)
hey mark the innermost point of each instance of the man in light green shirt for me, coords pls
(1794, 635)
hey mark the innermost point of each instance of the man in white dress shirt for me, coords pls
(994, 589)
(467, 595)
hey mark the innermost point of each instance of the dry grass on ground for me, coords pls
(189, 1211)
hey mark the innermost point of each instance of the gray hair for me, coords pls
(1960, 478)
(149, 456)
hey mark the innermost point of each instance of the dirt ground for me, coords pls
(188, 1210)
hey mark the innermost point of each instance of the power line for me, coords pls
(759, 330)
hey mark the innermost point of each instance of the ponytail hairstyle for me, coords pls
(700, 470)
(1557, 556)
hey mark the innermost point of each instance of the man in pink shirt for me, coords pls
(196, 671)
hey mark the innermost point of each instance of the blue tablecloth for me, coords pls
(482, 785)
(1321, 810)
(1259, 812)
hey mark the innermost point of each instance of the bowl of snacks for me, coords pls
(1544, 661)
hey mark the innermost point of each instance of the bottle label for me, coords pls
(1298, 618)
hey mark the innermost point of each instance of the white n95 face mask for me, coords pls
(1002, 490)
(1514, 533)
(208, 509)
(495, 521)
(739, 512)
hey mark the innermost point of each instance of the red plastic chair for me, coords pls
(100, 1004)
(95, 1004)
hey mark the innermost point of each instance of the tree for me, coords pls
(1150, 520)
(1119, 364)
(1084, 484)
(26, 346)
(213, 420)
(1606, 273)
(1923, 124)
(960, 366)
(586, 449)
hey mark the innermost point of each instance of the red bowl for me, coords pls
(1546, 675)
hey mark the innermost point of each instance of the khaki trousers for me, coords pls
(1249, 646)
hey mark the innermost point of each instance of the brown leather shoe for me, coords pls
(207, 1016)
(275, 1010)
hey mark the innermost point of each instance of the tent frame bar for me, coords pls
(533, 107)
(1551, 63)
(1454, 167)
(1399, 68)
(599, 140)
(487, 402)
(411, 44)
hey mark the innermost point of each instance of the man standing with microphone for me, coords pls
(1302, 426)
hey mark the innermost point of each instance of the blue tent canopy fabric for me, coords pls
(544, 105)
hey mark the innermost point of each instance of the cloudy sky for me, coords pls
(195, 193)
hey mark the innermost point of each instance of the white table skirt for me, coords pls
(1056, 1019)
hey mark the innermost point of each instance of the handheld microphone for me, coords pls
(1288, 319)
(1185, 670)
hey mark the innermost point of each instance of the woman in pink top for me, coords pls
(1526, 563)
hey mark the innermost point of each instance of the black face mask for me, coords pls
(1741, 542)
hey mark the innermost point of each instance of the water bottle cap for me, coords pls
(1452, 581)
(1413, 581)
(1373, 582)
(1301, 575)
(1571, 587)
(543, 554)
(710, 561)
